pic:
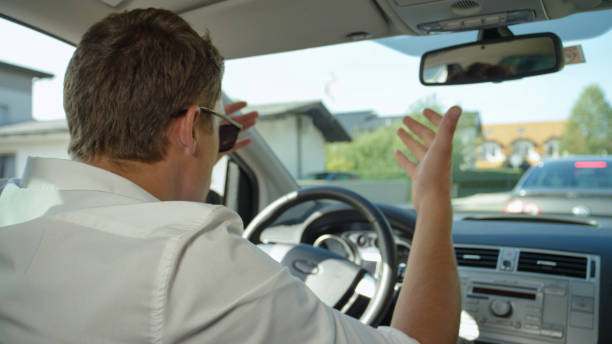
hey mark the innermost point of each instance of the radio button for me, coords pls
(582, 304)
(552, 333)
(554, 291)
(472, 308)
(530, 328)
(532, 319)
(584, 320)
(501, 308)
(503, 322)
(535, 311)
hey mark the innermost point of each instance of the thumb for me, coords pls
(448, 125)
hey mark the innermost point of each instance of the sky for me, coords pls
(348, 77)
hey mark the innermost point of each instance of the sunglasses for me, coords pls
(228, 132)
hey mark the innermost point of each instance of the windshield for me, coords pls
(331, 113)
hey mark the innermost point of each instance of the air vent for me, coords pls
(476, 257)
(465, 4)
(553, 264)
(465, 7)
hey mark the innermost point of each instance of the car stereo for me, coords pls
(511, 303)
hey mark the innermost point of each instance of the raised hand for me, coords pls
(431, 175)
(429, 305)
(247, 120)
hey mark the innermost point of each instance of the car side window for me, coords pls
(218, 180)
(241, 190)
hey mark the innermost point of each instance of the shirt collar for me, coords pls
(62, 174)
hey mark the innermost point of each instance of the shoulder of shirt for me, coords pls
(5, 181)
(153, 219)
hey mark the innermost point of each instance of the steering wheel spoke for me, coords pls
(330, 276)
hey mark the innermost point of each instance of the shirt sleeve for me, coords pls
(226, 290)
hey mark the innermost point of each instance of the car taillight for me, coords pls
(590, 164)
(513, 207)
(517, 206)
(531, 208)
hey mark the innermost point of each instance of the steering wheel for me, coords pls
(333, 278)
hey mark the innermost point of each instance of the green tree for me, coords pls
(467, 135)
(589, 128)
(370, 154)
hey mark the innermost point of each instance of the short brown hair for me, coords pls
(128, 75)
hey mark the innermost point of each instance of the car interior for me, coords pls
(524, 279)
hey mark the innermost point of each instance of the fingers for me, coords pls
(247, 120)
(447, 127)
(434, 117)
(424, 133)
(413, 145)
(405, 163)
(439, 142)
(233, 107)
(240, 144)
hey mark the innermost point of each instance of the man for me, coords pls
(116, 246)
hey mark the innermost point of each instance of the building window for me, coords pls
(489, 150)
(552, 148)
(7, 166)
(523, 148)
(521, 130)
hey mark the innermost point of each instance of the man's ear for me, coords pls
(185, 129)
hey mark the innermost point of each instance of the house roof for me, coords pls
(34, 128)
(537, 132)
(329, 126)
(331, 129)
(359, 121)
(24, 70)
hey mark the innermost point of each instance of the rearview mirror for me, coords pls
(493, 60)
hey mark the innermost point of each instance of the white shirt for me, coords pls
(87, 256)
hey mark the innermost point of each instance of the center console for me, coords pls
(516, 295)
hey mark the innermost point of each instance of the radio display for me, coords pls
(508, 293)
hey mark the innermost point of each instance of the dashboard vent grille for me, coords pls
(553, 264)
(466, 4)
(477, 257)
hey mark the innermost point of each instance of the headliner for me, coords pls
(241, 28)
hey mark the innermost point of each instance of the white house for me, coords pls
(18, 131)
(297, 133)
(514, 143)
(33, 138)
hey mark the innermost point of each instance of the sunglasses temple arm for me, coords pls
(231, 121)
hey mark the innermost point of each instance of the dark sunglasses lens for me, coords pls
(228, 134)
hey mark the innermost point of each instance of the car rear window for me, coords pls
(571, 174)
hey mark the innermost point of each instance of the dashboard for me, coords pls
(521, 281)
(536, 282)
